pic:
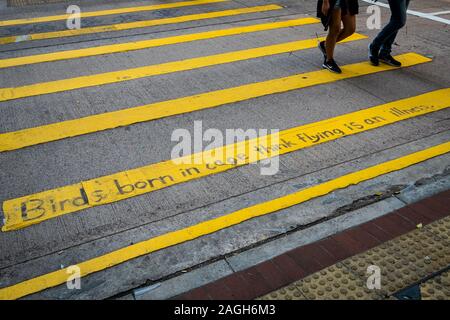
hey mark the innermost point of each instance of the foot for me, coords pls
(321, 47)
(388, 59)
(332, 66)
(374, 55)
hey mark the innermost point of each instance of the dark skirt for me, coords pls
(347, 6)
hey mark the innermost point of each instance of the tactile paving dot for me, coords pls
(335, 283)
(441, 228)
(403, 261)
(290, 292)
(437, 288)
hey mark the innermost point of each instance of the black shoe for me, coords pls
(332, 66)
(388, 59)
(374, 55)
(321, 47)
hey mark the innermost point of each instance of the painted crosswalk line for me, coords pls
(71, 128)
(32, 209)
(137, 24)
(207, 227)
(152, 43)
(101, 13)
(158, 69)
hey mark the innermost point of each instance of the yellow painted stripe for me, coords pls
(101, 13)
(114, 258)
(32, 209)
(154, 70)
(61, 130)
(145, 44)
(134, 25)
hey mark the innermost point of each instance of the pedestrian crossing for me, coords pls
(47, 205)
(35, 208)
(102, 13)
(71, 128)
(154, 70)
(210, 226)
(136, 25)
(146, 44)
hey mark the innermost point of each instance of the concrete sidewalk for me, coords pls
(410, 247)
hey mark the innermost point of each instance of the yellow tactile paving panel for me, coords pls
(437, 288)
(335, 283)
(403, 262)
(441, 228)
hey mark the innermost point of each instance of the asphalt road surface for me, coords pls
(88, 119)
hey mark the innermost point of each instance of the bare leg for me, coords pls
(349, 27)
(333, 33)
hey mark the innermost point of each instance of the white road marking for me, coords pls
(440, 13)
(428, 16)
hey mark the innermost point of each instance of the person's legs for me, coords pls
(333, 33)
(349, 22)
(331, 40)
(397, 21)
(389, 32)
(386, 47)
